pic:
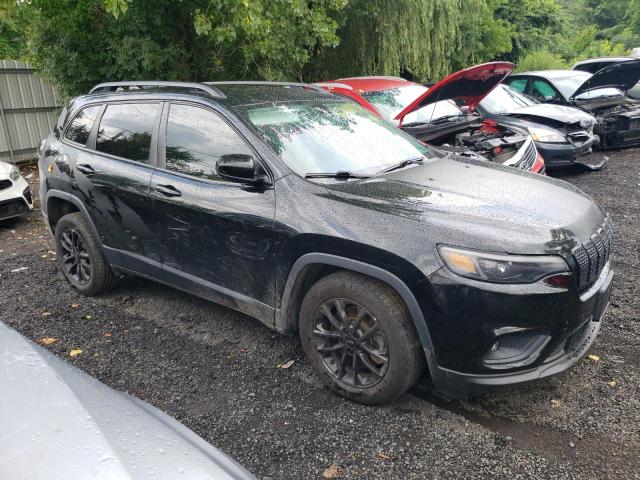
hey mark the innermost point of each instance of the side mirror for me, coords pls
(242, 168)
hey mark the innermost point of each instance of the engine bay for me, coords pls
(496, 144)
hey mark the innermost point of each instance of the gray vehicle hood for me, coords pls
(559, 113)
(60, 423)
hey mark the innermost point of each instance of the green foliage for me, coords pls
(78, 43)
(15, 19)
(483, 38)
(536, 23)
(541, 60)
(423, 39)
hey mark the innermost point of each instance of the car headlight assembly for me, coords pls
(14, 174)
(546, 135)
(503, 268)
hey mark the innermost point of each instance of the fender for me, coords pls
(75, 201)
(282, 323)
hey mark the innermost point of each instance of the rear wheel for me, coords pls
(359, 338)
(80, 256)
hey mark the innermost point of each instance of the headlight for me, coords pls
(502, 268)
(14, 174)
(546, 135)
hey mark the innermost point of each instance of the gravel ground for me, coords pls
(218, 372)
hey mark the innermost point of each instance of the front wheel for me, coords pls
(80, 257)
(359, 338)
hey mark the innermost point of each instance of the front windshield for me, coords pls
(329, 136)
(569, 85)
(391, 101)
(505, 99)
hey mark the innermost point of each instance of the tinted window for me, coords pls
(196, 139)
(543, 90)
(81, 127)
(125, 130)
(518, 84)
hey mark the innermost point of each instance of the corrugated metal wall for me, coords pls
(28, 111)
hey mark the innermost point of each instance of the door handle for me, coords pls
(86, 169)
(168, 190)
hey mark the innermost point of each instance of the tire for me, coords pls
(343, 295)
(76, 242)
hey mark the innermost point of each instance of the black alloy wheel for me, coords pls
(350, 343)
(75, 259)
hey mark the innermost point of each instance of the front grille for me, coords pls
(4, 184)
(593, 255)
(528, 157)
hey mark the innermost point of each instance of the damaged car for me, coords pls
(385, 256)
(444, 116)
(562, 134)
(15, 194)
(592, 65)
(602, 94)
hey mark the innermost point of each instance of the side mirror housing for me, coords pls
(242, 168)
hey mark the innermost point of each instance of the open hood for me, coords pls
(471, 85)
(623, 75)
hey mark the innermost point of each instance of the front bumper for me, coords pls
(558, 155)
(15, 199)
(567, 336)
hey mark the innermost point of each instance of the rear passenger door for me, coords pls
(112, 177)
(217, 235)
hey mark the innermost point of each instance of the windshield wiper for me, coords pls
(340, 175)
(402, 164)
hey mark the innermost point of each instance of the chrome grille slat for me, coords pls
(528, 158)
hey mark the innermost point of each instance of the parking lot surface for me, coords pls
(221, 373)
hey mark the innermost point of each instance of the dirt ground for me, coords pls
(218, 372)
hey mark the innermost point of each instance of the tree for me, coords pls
(422, 39)
(14, 22)
(78, 43)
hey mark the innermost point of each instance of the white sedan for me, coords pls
(15, 195)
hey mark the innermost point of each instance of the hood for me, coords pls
(480, 204)
(471, 85)
(559, 113)
(59, 420)
(623, 75)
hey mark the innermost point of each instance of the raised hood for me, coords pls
(623, 75)
(471, 85)
(59, 423)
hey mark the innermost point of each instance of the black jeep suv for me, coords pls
(314, 216)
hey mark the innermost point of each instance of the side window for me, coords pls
(126, 129)
(518, 84)
(82, 124)
(542, 90)
(196, 138)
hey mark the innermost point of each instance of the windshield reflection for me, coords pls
(331, 136)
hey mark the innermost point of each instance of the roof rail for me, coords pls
(113, 86)
(264, 82)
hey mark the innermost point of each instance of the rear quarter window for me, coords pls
(82, 124)
(126, 130)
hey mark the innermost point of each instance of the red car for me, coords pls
(443, 115)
